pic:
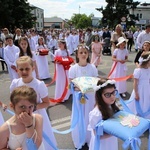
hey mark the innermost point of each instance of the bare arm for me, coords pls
(45, 103)
(4, 134)
(34, 132)
(135, 87)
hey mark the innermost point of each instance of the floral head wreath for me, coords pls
(98, 87)
(141, 60)
(82, 46)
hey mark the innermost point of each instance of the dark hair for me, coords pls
(42, 39)
(24, 92)
(21, 53)
(147, 26)
(85, 47)
(95, 37)
(65, 45)
(106, 111)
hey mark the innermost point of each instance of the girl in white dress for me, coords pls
(120, 57)
(61, 73)
(80, 69)
(105, 108)
(25, 68)
(141, 85)
(42, 61)
(26, 51)
(24, 124)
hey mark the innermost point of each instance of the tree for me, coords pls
(81, 21)
(16, 13)
(115, 10)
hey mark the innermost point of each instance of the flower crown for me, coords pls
(97, 87)
(143, 60)
(82, 46)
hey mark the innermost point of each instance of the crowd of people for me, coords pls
(25, 56)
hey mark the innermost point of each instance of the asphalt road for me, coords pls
(60, 114)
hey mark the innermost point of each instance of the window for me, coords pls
(140, 15)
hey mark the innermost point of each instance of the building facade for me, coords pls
(54, 23)
(39, 14)
(142, 12)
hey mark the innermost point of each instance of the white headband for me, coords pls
(143, 60)
(97, 87)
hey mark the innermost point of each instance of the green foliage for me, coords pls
(81, 21)
(115, 10)
(16, 13)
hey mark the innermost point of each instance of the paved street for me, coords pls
(60, 113)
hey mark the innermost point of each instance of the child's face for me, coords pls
(82, 53)
(122, 45)
(23, 106)
(146, 47)
(109, 95)
(61, 45)
(25, 70)
(41, 41)
(9, 42)
(23, 45)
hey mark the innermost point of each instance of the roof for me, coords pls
(53, 19)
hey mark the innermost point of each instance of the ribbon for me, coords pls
(99, 132)
(64, 92)
(124, 105)
(75, 114)
(47, 139)
(133, 142)
(112, 70)
(30, 144)
(139, 110)
(81, 121)
(122, 78)
(96, 59)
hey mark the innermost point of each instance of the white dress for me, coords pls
(33, 59)
(110, 143)
(61, 76)
(42, 91)
(120, 70)
(16, 141)
(42, 64)
(78, 71)
(1, 119)
(143, 76)
(9, 57)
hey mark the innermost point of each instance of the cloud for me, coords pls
(66, 8)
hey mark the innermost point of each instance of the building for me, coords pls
(95, 21)
(54, 23)
(142, 13)
(39, 14)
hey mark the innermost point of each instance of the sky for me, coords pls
(66, 8)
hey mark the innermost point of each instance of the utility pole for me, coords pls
(79, 9)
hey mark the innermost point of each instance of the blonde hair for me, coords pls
(119, 26)
(24, 59)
